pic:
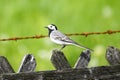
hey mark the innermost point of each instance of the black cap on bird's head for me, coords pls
(52, 27)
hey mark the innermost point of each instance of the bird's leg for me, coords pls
(62, 47)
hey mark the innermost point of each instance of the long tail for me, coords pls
(76, 44)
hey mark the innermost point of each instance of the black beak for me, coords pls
(45, 27)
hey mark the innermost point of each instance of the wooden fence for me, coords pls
(64, 71)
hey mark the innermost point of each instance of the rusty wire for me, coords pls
(74, 34)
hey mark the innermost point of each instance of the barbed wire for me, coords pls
(74, 34)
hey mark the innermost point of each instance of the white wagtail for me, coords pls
(59, 38)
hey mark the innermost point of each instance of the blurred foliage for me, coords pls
(28, 17)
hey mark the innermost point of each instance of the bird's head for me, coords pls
(52, 27)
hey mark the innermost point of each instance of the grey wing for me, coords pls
(58, 35)
(62, 37)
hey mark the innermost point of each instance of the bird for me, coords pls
(60, 38)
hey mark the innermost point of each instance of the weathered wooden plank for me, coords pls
(5, 67)
(83, 59)
(59, 60)
(95, 73)
(113, 55)
(28, 64)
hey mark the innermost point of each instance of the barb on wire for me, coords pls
(74, 34)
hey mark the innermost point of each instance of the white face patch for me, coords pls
(52, 27)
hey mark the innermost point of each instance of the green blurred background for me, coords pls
(19, 18)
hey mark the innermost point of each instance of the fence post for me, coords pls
(83, 59)
(5, 67)
(113, 55)
(28, 64)
(59, 60)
